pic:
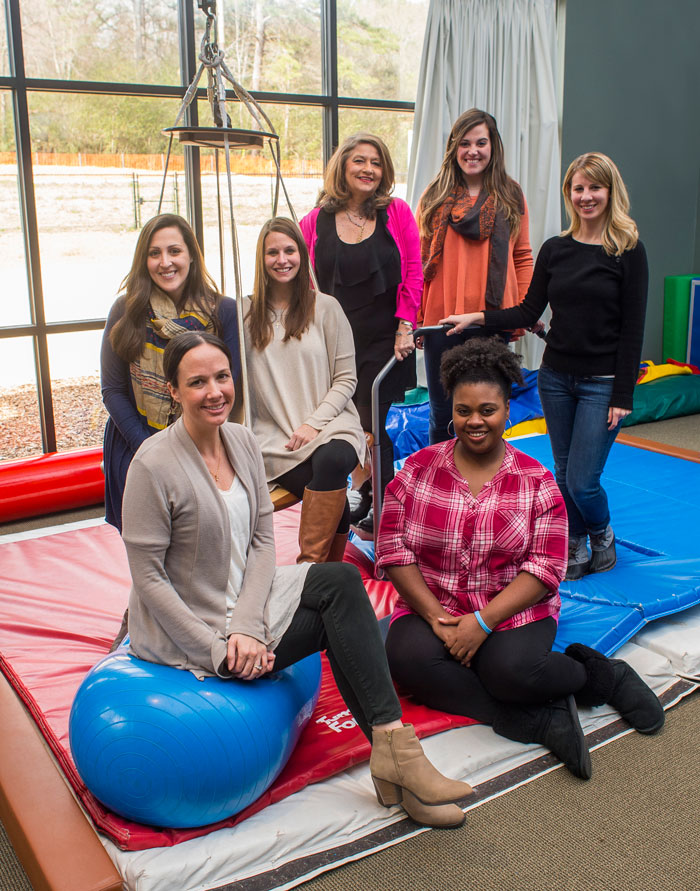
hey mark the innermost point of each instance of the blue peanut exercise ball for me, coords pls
(158, 746)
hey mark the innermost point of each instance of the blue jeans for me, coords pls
(576, 412)
(434, 345)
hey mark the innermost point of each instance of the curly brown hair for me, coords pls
(481, 360)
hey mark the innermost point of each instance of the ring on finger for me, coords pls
(258, 667)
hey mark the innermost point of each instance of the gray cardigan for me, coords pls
(178, 542)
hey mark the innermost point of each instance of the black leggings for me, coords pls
(335, 615)
(326, 470)
(386, 446)
(515, 666)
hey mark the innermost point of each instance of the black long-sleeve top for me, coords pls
(598, 307)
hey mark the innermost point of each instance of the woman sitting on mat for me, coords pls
(167, 291)
(301, 365)
(207, 596)
(594, 276)
(473, 536)
(365, 249)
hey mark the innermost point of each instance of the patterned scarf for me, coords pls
(147, 377)
(478, 220)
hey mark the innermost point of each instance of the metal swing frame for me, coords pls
(223, 137)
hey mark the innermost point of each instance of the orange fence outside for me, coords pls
(245, 164)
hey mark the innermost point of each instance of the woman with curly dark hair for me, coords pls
(474, 538)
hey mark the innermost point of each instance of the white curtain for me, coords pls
(501, 56)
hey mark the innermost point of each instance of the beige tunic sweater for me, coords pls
(178, 541)
(308, 381)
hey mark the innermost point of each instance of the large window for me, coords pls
(85, 90)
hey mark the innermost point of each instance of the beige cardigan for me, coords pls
(178, 542)
(308, 381)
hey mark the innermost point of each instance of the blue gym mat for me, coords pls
(654, 502)
(654, 505)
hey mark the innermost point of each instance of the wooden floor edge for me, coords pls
(660, 448)
(52, 837)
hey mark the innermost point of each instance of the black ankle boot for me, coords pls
(615, 682)
(555, 725)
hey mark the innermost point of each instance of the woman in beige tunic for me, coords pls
(301, 364)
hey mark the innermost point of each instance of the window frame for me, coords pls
(19, 86)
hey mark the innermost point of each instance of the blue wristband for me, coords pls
(477, 616)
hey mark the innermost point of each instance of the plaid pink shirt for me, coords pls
(468, 549)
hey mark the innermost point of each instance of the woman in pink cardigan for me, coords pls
(365, 249)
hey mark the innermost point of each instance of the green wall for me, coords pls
(632, 90)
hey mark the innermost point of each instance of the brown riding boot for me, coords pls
(398, 762)
(320, 515)
(337, 549)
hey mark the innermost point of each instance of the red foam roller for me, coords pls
(30, 487)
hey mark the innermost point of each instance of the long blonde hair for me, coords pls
(301, 308)
(335, 193)
(619, 230)
(505, 190)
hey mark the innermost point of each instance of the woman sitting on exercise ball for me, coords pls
(207, 597)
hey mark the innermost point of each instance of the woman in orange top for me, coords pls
(475, 244)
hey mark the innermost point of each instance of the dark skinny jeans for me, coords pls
(515, 667)
(335, 615)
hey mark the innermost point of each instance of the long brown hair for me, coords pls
(301, 308)
(619, 230)
(335, 194)
(505, 190)
(129, 334)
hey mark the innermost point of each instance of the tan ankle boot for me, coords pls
(398, 763)
(337, 550)
(439, 816)
(320, 515)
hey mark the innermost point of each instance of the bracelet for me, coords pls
(484, 626)
(406, 323)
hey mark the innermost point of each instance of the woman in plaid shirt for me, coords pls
(473, 536)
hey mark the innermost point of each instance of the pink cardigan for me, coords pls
(403, 229)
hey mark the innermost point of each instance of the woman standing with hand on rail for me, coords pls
(301, 367)
(206, 594)
(594, 276)
(475, 243)
(365, 250)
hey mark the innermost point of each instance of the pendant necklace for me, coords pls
(359, 226)
(215, 474)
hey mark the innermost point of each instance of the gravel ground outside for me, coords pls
(79, 414)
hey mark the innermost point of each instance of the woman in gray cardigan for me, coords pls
(207, 596)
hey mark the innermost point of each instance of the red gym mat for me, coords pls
(61, 601)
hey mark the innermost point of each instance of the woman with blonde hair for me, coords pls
(301, 366)
(594, 276)
(364, 248)
(167, 291)
(475, 244)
